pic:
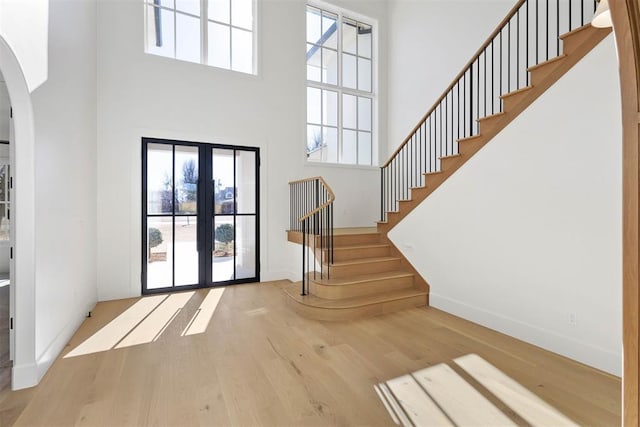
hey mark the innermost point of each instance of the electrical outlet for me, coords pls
(572, 319)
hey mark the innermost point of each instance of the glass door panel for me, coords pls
(245, 250)
(245, 164)
(159, 252)
(183, 183)
(224, 249)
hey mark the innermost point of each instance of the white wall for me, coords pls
(145, 95)
(23, 25)
(5, 107)
(528, 232)
(430, 42)
(65, 158)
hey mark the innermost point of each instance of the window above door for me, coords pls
(219, 33)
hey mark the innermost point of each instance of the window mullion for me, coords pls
(204, 31)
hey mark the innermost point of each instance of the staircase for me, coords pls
(407, 187)
(354, 273)
(368, 277)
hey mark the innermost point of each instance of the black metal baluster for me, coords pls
(518, 49)
(526, 29)
(547, 28)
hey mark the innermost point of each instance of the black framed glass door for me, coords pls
(200, 216)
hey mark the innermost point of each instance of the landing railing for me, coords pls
(527, 36)
(311, 214)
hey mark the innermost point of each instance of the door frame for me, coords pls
(205, 207)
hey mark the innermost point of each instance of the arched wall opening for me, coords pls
(25, 372)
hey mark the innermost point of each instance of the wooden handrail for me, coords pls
(473, 59)
(332, 196)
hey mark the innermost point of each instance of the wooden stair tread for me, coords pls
(293, 291)
(516, 92)
(361, 246)
(364, 261)
(362, 278)
(547, 62)
(575, 31)
(491, 116)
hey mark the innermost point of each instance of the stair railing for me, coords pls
(527, 36)
(311, 213)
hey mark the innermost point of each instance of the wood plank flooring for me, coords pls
(258, 363)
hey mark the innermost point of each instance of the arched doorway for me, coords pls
(24, 371)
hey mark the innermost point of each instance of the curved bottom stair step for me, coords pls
(361, 285)
(313, 307)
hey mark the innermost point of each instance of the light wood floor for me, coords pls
(258, 363)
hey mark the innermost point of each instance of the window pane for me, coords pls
(364, 40)
(330, 108)
(349, 146)
(160, 32)
(245, 250)
(159, 252)
(349, 111)
(329, 30)
(189, 6)
(246, 181)
(364, 74)
(3, 182)
(330, 149)
(364, 148)
(314, 141)
(314, 26)
(314, 105)
(223, 249)
(219, 10)
(186, 179)
(219, 45)
(187, 38)
(223, 188)
(364, 113)
(159, 179)
(186, 248)
(164, 3)
(349, 71)
(349, 36)
(5, 224)
(241, 50)
(314, 67)
(330, 66)
(242, 13)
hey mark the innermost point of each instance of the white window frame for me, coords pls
(340, 89)
(204, 33)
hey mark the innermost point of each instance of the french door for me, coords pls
(200, 215)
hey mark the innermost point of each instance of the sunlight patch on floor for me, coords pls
(439, 396)
(200, 320)
(107, 337)
(153, 325)
(146, 320)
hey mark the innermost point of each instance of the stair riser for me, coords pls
(360, 289)
(355, 239)
(358, 312)
(469, 148)
(358, 253)
(342, 271)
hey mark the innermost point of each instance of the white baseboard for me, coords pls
(277, 275)
(46, 359)
(24, 376)
(586, 353)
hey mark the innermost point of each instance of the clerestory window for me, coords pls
(220, 33)
(340, 88)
